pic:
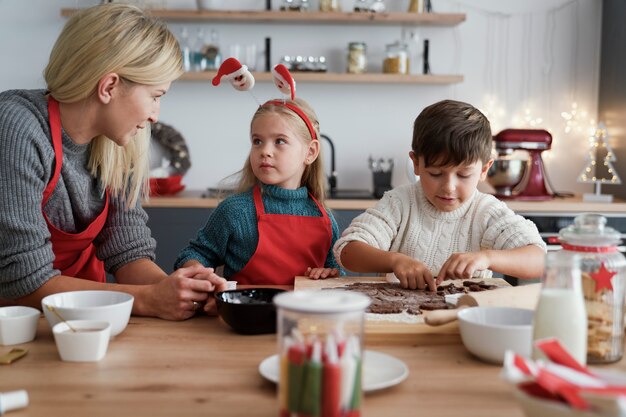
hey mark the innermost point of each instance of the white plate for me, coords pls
(379, 370)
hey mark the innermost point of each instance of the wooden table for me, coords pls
(199, 367)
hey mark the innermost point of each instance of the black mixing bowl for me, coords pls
(249, 311)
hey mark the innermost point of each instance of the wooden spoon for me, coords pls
(56, 313)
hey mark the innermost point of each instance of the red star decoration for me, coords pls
(603, 277)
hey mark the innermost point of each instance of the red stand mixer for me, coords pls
(520, 179)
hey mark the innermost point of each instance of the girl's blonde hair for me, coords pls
(313, 177)
(113, 38)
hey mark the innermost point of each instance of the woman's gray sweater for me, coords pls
(26, 167)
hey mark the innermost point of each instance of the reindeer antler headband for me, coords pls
(241, 79)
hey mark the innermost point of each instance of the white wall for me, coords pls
(537, 54)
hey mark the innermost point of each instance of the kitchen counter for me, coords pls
(199, 367)
(194, 199)
(174, 220)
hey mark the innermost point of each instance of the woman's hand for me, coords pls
(187, 289)
(321, 273)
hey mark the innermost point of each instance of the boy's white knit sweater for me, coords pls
(405, 221)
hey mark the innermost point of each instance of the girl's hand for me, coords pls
(463, 265)
(321, 273)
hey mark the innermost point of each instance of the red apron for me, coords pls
(75, 254)
(288, 245)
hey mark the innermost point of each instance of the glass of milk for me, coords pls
(560, 312)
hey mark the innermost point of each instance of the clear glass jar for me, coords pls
(603, 282)
(396, 58)
(378, 6)
(291, 5)
(416, 6)
(320, 336)
(362, 5)
(357, 58)
(329, 5)
(560, 311)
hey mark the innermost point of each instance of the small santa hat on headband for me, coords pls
(284, 81)
(237, 74)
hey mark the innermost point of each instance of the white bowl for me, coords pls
(488, 332)
(18, 324)
(111, 306)
(88, 343)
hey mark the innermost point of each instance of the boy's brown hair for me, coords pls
(451, 133)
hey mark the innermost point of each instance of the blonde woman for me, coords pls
(276, 226)
(73, 169)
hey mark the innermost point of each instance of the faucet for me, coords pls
(332, 178)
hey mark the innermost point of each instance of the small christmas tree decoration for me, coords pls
(599, 169)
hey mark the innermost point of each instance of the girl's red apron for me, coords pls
(75, 254)
(288, 245)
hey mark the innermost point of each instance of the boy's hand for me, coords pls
(412, 273)
(321, 273)
(463, 265)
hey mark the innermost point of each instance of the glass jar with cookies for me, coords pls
(603, 270)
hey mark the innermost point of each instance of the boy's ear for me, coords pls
(485, 169)
(313, 152)
(415, 162)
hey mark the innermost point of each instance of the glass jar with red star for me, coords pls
(603, 270)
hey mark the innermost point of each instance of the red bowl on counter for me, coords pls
(166, 186)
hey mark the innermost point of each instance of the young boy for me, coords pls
(442, 226)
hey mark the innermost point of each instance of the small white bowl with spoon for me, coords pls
(82, 340)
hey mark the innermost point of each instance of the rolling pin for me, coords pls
(523, 296)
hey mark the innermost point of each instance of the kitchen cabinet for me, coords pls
(173, 228)
(319, 18)
(174, 220)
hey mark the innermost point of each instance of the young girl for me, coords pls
(276, 226)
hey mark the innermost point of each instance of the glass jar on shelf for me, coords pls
(362, 5)
(357, 58)
(603, 279)
(396, 58)
(416, 6)
(186, 49)
(329, 5)
(291, 5)
(210, 51)
(377, 6)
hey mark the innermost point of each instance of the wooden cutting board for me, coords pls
(389, 328)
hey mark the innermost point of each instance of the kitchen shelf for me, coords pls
(314, 17)
(332, 77)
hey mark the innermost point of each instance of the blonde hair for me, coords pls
(313, 177)
(121, 39)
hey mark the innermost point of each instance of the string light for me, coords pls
(527, 119)
(578, 120)
(494, 111)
